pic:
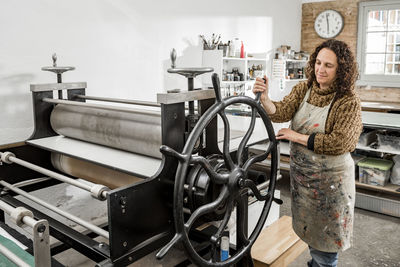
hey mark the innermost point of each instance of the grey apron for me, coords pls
(322, 187)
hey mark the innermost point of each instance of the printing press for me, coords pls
(160, 170)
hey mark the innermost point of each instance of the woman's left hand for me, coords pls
(290, 135)
(287, 134)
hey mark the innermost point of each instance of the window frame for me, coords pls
(373, 79)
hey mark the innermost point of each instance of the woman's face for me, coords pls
(325, 67)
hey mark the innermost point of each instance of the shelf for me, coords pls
(238, 82)
(294, 80)
(234, 82)
(379, 120)
(388, 188)
(246, 58)
(234, 58)
(256, 59)
(367, 148)
(295, 60)
(380, 106)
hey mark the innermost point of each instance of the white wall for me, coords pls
(120, 47)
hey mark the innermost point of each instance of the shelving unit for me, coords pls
(382, 199)
(281, 69)
(215, 59)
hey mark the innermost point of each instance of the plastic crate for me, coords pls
(378, 204)
(374, 171)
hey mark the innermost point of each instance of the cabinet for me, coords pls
(233, 72)
(382, 199)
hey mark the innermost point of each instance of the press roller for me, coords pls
(137, 131)
(92, 172)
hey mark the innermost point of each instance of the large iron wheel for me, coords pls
(234, 181)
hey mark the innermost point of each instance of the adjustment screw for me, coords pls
(122, 201)
(125, 243)
(41, 228)
(241, 183)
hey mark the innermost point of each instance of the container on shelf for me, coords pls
(367, 137)
(357, 158)
(374, 171)
(388, 140)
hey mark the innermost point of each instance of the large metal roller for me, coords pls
(137, 131)
(92, 172)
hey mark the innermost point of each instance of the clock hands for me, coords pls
(327, 22)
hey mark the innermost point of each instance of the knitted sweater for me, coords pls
(343, 124)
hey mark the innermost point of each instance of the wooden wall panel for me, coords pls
(349, 11)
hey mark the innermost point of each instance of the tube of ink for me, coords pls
(224, 248)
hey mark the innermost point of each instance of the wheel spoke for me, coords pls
(225, 221)
(246, 137)
(227, 156)
(258, 158)
(207, 208)
(213, 252)
(160, 254)
(240, 230)
(217, 178)
(250, 184)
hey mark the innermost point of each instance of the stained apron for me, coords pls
(322, 187)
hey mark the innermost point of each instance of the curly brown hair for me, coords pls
(347, 71)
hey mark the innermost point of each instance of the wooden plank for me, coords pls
(291, 254)
(379, 94)
(274, 241)
(388, 188)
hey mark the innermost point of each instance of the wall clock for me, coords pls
(328, 24)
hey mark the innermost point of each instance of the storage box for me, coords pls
(374, 171)
(389, 140)
(357, 158)
(367, 137)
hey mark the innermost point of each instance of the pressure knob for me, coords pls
(56, 69)
(173, 58)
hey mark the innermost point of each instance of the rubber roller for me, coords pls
(92, 172)
(137, 131)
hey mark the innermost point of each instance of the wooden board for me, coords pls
(388, 188)
(290, 255)
(275, 242)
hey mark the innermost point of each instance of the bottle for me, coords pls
(231, 49)
(237, 47)
(242, 50)
(224, 248)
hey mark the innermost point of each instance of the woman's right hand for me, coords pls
(261, 86)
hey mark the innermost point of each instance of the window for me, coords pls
(379, 43)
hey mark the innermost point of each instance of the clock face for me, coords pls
(328, 24)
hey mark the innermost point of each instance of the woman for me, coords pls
(325, 115)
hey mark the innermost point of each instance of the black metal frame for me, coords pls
(135, 229)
